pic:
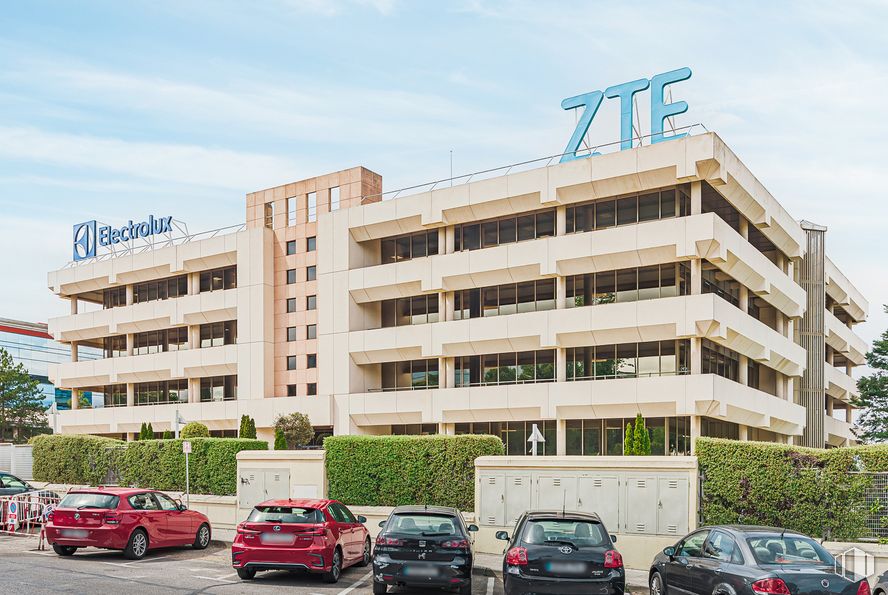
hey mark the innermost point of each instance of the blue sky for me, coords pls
(114, 110)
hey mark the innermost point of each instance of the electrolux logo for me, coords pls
(88, 236)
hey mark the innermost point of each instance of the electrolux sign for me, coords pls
(88, 236)
(626, 92)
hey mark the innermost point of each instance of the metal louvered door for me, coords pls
(641, 505)
(518, 497)
(601, 495)
(556, 492)
(493, 500)
(672, 506)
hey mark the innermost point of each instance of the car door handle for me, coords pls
(717, 570)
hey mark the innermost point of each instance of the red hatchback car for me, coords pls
(320, 536)
(129, 519)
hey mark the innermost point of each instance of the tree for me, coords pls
(150, 431)
(280, 442)
(167, 435)
(247, 427)
(629, 441)
(22, 413)
(195, 429)
(641, 440)
(297, 429)
(872, 425)
(252, 428)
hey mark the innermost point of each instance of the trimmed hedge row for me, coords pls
(396, 470)
(159, 464)
(812, 491)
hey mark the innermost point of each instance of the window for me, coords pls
(514, 434)
(714, 428)
(583, 437)
(719, 360)
(415, 374)
(334, 198)
(114, 346)
(166, 503)
(505, 368)
(311, 273)
(504, 299)
(311, 360)
(627, 285)
(406, 247)
(311, 244)
(679, 435)
(115, 395)
(692, 546)
(292, 390)
(291, 276)
(285, 515)
(218, 333)
(269, 215)
(218, 279)
(496, 232)
(291, 362)
(174, 339)
(419, 309)
(312, 206)
(94, 501)
(291, 305)
(144, 501)
(601, 214)
(291, 247)
(311, 389)
(629, 360)
(722, 547)
(787, 549)
(311, 331)
(714, 281)
(114, 297)
(160, 290)
(291, 211)
(311, 302)
(414, 429)
(291, 333)
(218, 388)
(581, 533)
(161, 393)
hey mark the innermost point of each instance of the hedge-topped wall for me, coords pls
(395, 470)
(158, 464)
(816, 492)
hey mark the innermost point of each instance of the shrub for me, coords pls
(280, 442)
(195, 429)
(167, 435)
(297, 429)
(158, 464)
(395, 470)
(808, 490)
(247, 427)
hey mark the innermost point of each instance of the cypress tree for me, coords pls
(629, 441)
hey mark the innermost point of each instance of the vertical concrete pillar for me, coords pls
(696, 198)
(696, 355)
(193, 283)
(743, 372)
(696, 276)
(812, 336)
(561, 437)
(744, 299)
(744, 227)
(193, 390)
(447, 429)
(194, 336)
(129, 295)
(744, 433)
(830, 406)
(130, 343)
(696, 424)
(74, 303)
(560, 221)
(560, 292)
(443, 381)
(74, 352)
(449, 235)
(849, 414)
(560, 364)
(130, 394)
(442, 240)
(780, 385)
(75, 399)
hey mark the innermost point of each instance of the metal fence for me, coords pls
(17, 459)
(876, 498)
(25, 514)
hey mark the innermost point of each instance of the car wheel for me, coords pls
(64, 550)
(365, 560)
(335, 568)
(380, 588)
(137, 546)
(202, 538)
(657, 585)
(466, 589)
(246, 574)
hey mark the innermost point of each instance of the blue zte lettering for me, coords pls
(626, 92)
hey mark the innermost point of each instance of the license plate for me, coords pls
(75, 533)
(420, 571)
(566, 567)
(277, 539)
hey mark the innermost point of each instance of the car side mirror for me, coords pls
(382, 523)
(669, 551)
(180, 506)
(472, 527)
(613, 539)
(362, 519)
(502, 535)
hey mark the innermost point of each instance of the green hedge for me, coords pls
(812, 491)
(159, 464)
(395, 470)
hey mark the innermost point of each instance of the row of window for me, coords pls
(161, 289)
(418, 309)
(500, 300)
(505, 230)
(630, 360)
(311, 244)
(173, 339)
(311, 208)
(311, 273)
(311, 332)
(311, 389)
(505, 368)
(415, 374)
(311, 361)
(213, 388)
(628, 285)
(311, 303)
(629, 210)
(408, 246)
(173, 287)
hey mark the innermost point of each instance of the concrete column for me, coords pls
(449, 235)
(193, 390)
(447, 429)
(695, 432)
(696, 276)
(561, 437)
(744, 433)
(442, 307)
(74, 303)
(130, 394)
(780, 385)
(696, 355)
(75, 399)
(790, 389)
(743, 376)
(780, 322)
(696, 198)
(194, 336)
(560, 292)
(442, 373)
(129, 295)
(666, 437)
(193, 283)
(849, 414)
(442, 240)
(74, 353)
(830, 406)
(130, 343)
(560, 364)
(560, 221)
(744, 228)
(744, 298)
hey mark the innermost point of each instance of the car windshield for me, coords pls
(422, 524)
(285, 515)
(576, 532)
(788, 549)
(81, 500)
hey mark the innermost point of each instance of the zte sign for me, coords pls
(88, 237)
(625, 92)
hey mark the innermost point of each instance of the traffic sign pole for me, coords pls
(186, 448)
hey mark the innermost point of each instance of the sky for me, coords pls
(117, 110)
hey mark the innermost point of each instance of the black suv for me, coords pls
(562, 553)
(423, 546)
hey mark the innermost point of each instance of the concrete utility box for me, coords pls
(269, 474)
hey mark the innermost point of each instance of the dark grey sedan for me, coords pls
(10, 485)
(881, 587)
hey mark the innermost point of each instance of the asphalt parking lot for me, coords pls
(177, 570)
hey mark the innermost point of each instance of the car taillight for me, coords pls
(111, 519)
(613, 559)
(50, 515)
(517, 556)
(456, 543)
(381, 540)
(770, 586)
(241, 530)
(314, 533)
(864, 588)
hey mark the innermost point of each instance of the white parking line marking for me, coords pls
(148, 559)
(228, 575)
(490, 583)
(213, 578)
(356, 584)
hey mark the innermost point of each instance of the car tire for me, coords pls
(64, 550)
(335, 568)
(656, 584)
(202, 537)
(137, 546)
(466, 589)
(365, 560)
(246, 574)
(380, 588)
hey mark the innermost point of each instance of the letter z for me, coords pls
(592, 101)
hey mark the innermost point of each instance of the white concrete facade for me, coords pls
(723, 313)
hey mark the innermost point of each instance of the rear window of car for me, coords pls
(285, 515)
(80, 501)
(577, 532)
(423, 524)
(777, 549)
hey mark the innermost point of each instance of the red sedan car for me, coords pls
(129, 519)
(320, 536)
